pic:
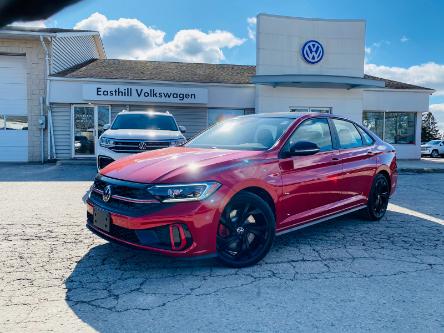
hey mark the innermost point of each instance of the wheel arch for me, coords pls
(263, 194)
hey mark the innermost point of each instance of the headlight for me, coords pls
(106, 142)
(183, 192)
(178, 142)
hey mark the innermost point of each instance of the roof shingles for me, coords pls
(181, 72)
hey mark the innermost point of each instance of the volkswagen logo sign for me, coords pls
(142, 145)
(106, 193)
(312, 51)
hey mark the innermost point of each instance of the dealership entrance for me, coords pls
(87, 123)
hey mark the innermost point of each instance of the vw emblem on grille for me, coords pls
(312, 52)
(142, 145)
(106, 193)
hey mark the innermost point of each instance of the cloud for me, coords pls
(404, 39)
(31, 24)
(430, 75)
(131, 39)
(438, 112)
(251, 27)
(437, 107)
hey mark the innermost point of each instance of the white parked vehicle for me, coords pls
(136, 132)
(433, 148)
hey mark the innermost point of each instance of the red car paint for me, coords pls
(302, 188)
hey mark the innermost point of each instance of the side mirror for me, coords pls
(106, 127)
(183, 129)
(303, 148)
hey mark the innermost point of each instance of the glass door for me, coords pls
(88, 122)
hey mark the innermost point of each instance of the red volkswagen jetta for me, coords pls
(231, 189)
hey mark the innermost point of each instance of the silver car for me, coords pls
(433, 148)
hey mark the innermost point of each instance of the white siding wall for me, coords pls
(72, 50)
(61, 118)
(346, 103)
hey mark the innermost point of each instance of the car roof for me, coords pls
(146, 112)
(291, 115)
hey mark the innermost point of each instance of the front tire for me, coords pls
(246, 230)
(435, 153)
(378, 198)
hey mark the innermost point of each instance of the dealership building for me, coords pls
(302, 64)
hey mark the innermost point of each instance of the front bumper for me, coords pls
(185, 229)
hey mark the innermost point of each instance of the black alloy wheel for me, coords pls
(435, 153)
(246, 230)
(378, 198)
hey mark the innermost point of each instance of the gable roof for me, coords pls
(180, 72)
(161, 71)
(38, 29)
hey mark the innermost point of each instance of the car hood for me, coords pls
(142, 134)
(179, 164)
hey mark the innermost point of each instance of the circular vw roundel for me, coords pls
(312, 51)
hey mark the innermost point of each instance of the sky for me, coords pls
(404, 39)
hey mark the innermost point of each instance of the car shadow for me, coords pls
(114, 288)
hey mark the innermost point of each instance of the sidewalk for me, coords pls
(424, 165)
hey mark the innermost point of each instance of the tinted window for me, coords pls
(243, 133)
(144, 121)
(349, 136)
(313, 130)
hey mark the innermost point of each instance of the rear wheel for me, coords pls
(378, 198)
(246, 230)
(435, 153)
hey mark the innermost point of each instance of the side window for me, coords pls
(368, 140)
(314, 130)
(349, 136)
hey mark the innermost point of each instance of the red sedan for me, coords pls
(231, 189)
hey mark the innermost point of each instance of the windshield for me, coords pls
(144, 122)
(434, 142)
(243, 133)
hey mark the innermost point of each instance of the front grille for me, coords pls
(124, 189)
(127, 198)
(137, 146)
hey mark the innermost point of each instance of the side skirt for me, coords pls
(323, 219)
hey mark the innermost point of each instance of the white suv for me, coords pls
(136, 132)
(433, 148)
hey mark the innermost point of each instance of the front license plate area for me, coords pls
(101, 219)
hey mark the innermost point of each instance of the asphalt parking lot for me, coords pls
(345, 275)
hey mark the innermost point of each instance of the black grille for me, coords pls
(137, 146)
(126, 190)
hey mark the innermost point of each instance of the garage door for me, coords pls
(13, 109)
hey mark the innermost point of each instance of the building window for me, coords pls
(392, 127)
(216, 115)
(310, 109)
(14, 123)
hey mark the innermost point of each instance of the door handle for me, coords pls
(371, 152)
(335, 158)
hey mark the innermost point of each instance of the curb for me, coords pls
(420, 170)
